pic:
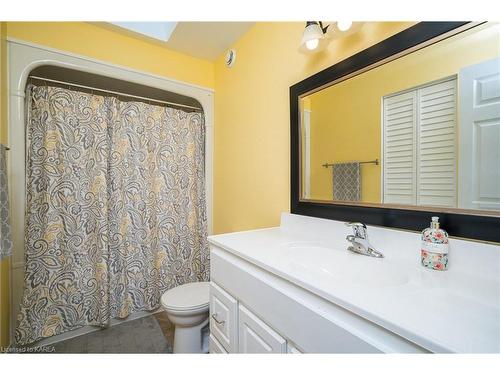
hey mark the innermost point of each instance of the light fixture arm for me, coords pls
(323, 28)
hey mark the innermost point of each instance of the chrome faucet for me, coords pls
(359, 241)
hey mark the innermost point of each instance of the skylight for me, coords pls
(157, 30)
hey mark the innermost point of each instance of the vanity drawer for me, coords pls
(255, 336)
(215, 347)
(223, 318)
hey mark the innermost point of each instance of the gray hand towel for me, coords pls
(347, 182)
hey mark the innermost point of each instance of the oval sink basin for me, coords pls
(343, 266)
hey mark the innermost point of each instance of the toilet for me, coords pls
(187, 308)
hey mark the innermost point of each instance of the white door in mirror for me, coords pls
(479, 167)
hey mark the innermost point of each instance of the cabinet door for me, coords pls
(215, 347)
(223, 318)
(291, 349)
(255, 336)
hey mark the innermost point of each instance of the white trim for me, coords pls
(382, 150)
(23, 57)
(90, 59)
(307, 146)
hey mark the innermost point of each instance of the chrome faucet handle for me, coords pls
(359, 229)
(351, 238)
(359, 241)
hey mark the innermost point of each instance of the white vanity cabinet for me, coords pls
(255, 311)
(296, 289)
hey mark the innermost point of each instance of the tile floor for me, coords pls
(150, 334)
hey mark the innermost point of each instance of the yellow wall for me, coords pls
(346, 117)
(5, 263)
(252, 167)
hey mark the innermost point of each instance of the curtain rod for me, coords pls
(115, 92)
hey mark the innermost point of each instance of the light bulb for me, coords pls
(312, 44)
(344, 25)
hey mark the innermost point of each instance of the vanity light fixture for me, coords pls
(313, 36)
(316, 36)
(344, 25)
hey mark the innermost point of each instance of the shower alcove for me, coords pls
(29, 60)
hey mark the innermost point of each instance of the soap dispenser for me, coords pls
(435, 247)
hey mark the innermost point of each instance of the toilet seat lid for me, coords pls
(187, 296)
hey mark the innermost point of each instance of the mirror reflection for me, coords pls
(420, 130)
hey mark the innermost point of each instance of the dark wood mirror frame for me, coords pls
(464, 225)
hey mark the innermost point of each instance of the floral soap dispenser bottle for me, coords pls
(435, 247)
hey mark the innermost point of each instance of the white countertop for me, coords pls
(443, 311)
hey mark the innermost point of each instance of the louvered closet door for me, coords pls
(399, 162)
(436, 156)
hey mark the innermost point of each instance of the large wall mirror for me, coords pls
(411, 124)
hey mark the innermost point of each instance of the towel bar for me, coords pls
(326, 165)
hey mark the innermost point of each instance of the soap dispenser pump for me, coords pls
(435, 247)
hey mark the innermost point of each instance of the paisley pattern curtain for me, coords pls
(116, 211)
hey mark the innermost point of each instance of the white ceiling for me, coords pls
(206, 40)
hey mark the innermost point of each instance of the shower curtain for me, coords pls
(116, 211)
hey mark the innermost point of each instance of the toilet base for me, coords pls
(190, 339)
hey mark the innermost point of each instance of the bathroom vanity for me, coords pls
(296, 289)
